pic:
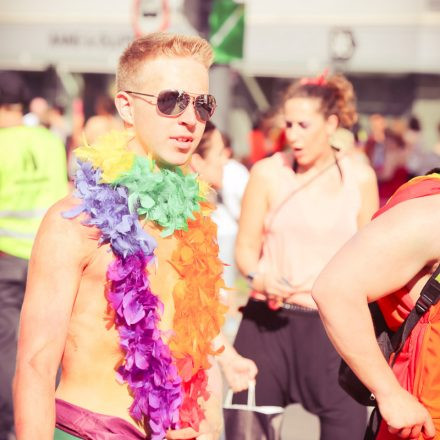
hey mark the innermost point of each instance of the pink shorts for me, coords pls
(89, 425)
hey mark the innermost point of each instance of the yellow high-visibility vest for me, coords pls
(33, 177)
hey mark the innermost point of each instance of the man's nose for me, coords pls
(189, 117)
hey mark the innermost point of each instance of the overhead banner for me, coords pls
(227, 20)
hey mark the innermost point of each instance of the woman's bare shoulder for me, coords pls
(270, 166)
(362, 170)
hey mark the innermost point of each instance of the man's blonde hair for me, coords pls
(155, 45)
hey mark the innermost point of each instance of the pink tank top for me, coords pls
(302, 236)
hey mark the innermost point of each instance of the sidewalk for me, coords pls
(299, 424)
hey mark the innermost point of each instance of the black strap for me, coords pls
(429, 296)
(373, 425)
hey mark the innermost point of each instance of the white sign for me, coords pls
(80, 36)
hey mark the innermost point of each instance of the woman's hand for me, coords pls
(272, 284)
(275, 287)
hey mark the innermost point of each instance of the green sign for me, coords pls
(227, 30)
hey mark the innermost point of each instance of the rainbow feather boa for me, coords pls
(167, 380)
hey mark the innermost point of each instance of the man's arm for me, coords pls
(238, 370)
(382, 258)
(211, 427)
(55, 269)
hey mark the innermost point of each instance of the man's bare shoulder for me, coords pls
(421, 210)
(65, 204)
(426, 212)
(56, 214)
(414, 223)
(59, 226)
(387, 253)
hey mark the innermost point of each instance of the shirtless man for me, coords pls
(395, 253)
(66, 317)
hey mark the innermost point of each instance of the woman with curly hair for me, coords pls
(299, 208)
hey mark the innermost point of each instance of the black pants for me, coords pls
(297, 364)
(13, 273)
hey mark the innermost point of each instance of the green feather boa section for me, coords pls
(167, 197)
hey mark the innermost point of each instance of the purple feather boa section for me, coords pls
(148, 367)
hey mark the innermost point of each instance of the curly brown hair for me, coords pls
(336, 95)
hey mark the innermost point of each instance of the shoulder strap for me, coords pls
(429, 296)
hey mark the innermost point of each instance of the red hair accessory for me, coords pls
(318, 81)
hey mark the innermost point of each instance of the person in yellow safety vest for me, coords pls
(33, 176)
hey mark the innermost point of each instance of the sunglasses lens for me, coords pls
(205, 106)
(171, 102)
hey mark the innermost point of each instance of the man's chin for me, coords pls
(177, 160)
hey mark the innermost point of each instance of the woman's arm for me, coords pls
(254, 208)
(256, 205)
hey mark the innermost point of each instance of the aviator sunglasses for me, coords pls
(174, 103)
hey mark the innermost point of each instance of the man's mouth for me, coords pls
(183, 139)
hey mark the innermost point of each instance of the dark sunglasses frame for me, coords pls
(182, 101)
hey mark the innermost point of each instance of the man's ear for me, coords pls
(124, 105)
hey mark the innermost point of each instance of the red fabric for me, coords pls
(258, 148)
(417, 187)
(388, 187)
